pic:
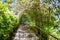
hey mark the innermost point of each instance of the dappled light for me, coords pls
(29, 19)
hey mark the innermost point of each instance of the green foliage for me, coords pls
(8, 1)
(43, 17)
(7, 22)
(42, 14)
(58, 10)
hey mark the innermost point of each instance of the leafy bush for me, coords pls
(7, 22)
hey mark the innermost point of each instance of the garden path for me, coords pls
(23, 33)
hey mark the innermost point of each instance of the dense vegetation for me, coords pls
(42, 17)
(8, 22)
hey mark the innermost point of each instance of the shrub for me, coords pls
(7, 22)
